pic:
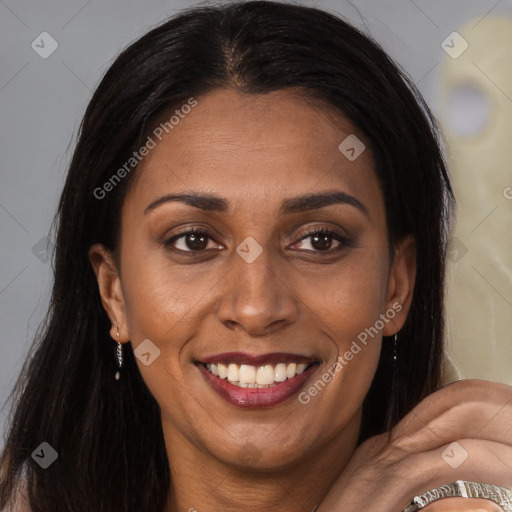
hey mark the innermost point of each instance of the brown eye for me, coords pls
(193, 240)
(196, 242)
(322, 240)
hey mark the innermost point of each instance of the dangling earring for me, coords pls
(395, 366)
(119, 356)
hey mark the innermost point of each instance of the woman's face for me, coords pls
(254, 289)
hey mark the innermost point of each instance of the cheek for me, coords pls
(160, 297)
(153, 307)
(160, 308)
(350, 299)
(348, 306)
(161, 305)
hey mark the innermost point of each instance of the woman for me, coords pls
(256, 214)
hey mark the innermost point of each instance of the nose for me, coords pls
(256, 298)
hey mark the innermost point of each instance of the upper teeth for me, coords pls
(248, 376)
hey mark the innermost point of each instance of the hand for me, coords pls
(388, 470)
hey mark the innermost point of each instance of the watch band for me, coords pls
(462, 489)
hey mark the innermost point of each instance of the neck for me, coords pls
(202, 483)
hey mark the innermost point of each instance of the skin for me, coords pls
(255, 152)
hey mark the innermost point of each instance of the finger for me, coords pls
(477, 460)
(480, 461)
(465, 409)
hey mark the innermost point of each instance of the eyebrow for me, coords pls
(316, 201)
(209, 202)
(205, 202)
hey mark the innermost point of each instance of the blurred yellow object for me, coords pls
(476, 115)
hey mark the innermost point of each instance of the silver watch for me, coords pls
(462, 489)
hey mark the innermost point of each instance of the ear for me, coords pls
(401, 284)
(109, 284)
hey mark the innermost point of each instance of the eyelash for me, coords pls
(332, 233)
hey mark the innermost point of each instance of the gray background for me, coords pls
(42, 101)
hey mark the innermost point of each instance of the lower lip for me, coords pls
(257, 398)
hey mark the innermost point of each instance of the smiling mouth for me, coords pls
(257, 381)
(251, 376)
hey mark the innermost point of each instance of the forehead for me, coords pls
(245, 146)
